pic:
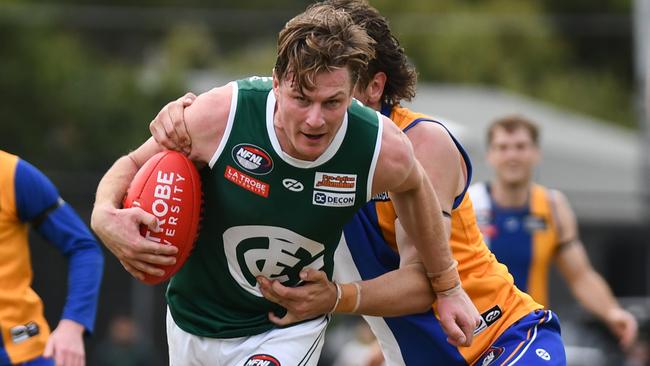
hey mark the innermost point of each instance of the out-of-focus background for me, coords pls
(81, 81)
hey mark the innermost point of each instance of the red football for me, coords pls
(169, 186)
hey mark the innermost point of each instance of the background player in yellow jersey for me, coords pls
(29, 199)
(513, 331)
(528, 226)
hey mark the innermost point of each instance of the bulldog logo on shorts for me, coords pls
(262, 360)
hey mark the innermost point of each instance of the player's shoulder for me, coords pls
(358, 112)
(210, 107)
(255, 83)
(550, 194)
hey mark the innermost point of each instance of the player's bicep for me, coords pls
(206, 121)
(573, 261)
(567, 223)
(35, 193)
(397, 170)
(440, 160)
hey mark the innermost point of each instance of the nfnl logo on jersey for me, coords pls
(262, 360)
(336, 182)
(252, 159)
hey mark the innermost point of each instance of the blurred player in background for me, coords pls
(528, 226)
(324, 156)
(29, 199)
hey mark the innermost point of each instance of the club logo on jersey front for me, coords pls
(336, 182)
(273, 252)
(252, 159)
(331, 199)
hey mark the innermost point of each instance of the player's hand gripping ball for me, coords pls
(168, 186)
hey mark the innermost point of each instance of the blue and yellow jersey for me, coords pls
(523, 238)
(418, 339)
(28, 198)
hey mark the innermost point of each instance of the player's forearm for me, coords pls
(400, 292)
(594, 294)
(67, 232)
(420, 214)
(114, 184)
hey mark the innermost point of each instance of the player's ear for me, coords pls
(375, 88)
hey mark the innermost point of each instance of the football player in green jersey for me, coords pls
(289, 161)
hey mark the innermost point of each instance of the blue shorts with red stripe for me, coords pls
(533, 340)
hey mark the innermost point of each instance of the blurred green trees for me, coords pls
(548, 50)
(67, 104)
(81, 81)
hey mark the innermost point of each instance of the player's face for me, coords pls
(513, 155)
(306, 121)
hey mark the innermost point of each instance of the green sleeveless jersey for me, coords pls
(268, 214)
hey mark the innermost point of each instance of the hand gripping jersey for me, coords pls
(523, 238)
(28, 197)
(268, 214)
(413, 340)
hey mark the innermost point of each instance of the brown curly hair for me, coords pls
(390, 57)
(322, 38)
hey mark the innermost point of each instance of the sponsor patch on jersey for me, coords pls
(488, 318)
(262, 360)
(489, 356)
(247, 182)
(534, 223)
(330, 199)
(252, 159)
(336, 182)
(382, 197)
(292, 185)
(21, 333)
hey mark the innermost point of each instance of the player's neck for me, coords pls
(510, 195)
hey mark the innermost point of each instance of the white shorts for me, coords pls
(299, 345)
